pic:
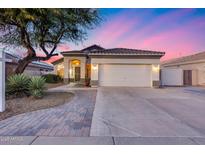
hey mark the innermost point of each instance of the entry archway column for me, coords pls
(66, 69)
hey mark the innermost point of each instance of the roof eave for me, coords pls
(111, 54)
(127, 56)
(67, 53)
(182, 63)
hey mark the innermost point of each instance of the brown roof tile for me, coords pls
(125, 51)
(73, 52)
(97, 50)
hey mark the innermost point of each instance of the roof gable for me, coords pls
(84, 51)
(93, 48)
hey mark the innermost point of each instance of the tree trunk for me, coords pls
(22, 64)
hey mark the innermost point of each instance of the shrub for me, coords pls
(17, 85)
(52, 78)
(37, 86)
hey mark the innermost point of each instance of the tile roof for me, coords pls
(97, 50)
(73, 52)
(190, 58)
(125, 51)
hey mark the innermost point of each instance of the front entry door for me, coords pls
(77, 73)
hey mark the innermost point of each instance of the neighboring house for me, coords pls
(110, 67)
(33, 69)
(193, 68)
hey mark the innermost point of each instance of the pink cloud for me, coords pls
(114, 29)
(170, 42)
(153, 26)
(63, 47)
(177, 41)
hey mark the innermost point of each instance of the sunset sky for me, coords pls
(178, 32)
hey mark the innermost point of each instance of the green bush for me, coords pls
(20, 85)
(17, 85)
(37, 86)
(52, 78)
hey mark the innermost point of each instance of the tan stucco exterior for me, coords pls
(96, 62)
(97, 66)
(197, 67)
(68, 75)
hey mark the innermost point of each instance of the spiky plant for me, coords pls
(17, 85)
(37, 86)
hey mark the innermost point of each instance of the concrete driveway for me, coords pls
(148, 112)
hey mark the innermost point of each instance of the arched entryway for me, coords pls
(75, 70)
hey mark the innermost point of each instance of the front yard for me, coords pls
(69, 119)
(25, 94)
(28, 104)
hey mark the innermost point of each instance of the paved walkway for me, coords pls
(71, 119)
(45, 140)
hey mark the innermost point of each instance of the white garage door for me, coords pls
(125, 75)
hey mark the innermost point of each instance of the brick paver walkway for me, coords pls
(71, 119)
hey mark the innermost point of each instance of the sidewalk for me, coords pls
(44, 140)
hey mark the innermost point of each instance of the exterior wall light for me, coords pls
(60, 66)
(94, 66)
(155, 68)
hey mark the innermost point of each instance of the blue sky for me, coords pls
(178, 32)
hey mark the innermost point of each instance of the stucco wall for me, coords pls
(67, 66)
(172, 77)
(55, 67)
(198, 72)
(123, 61)
(94, 72)
(155, 72)
(30, 71)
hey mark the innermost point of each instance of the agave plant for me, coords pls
(37, 86)
(17, 85)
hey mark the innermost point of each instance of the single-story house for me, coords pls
(110, 67)
(33, 69)
(192, 68)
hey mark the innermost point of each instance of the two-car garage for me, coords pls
(125, 75)
(123, 67)
(125, 72)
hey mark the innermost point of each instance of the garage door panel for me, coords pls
(125, 75)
